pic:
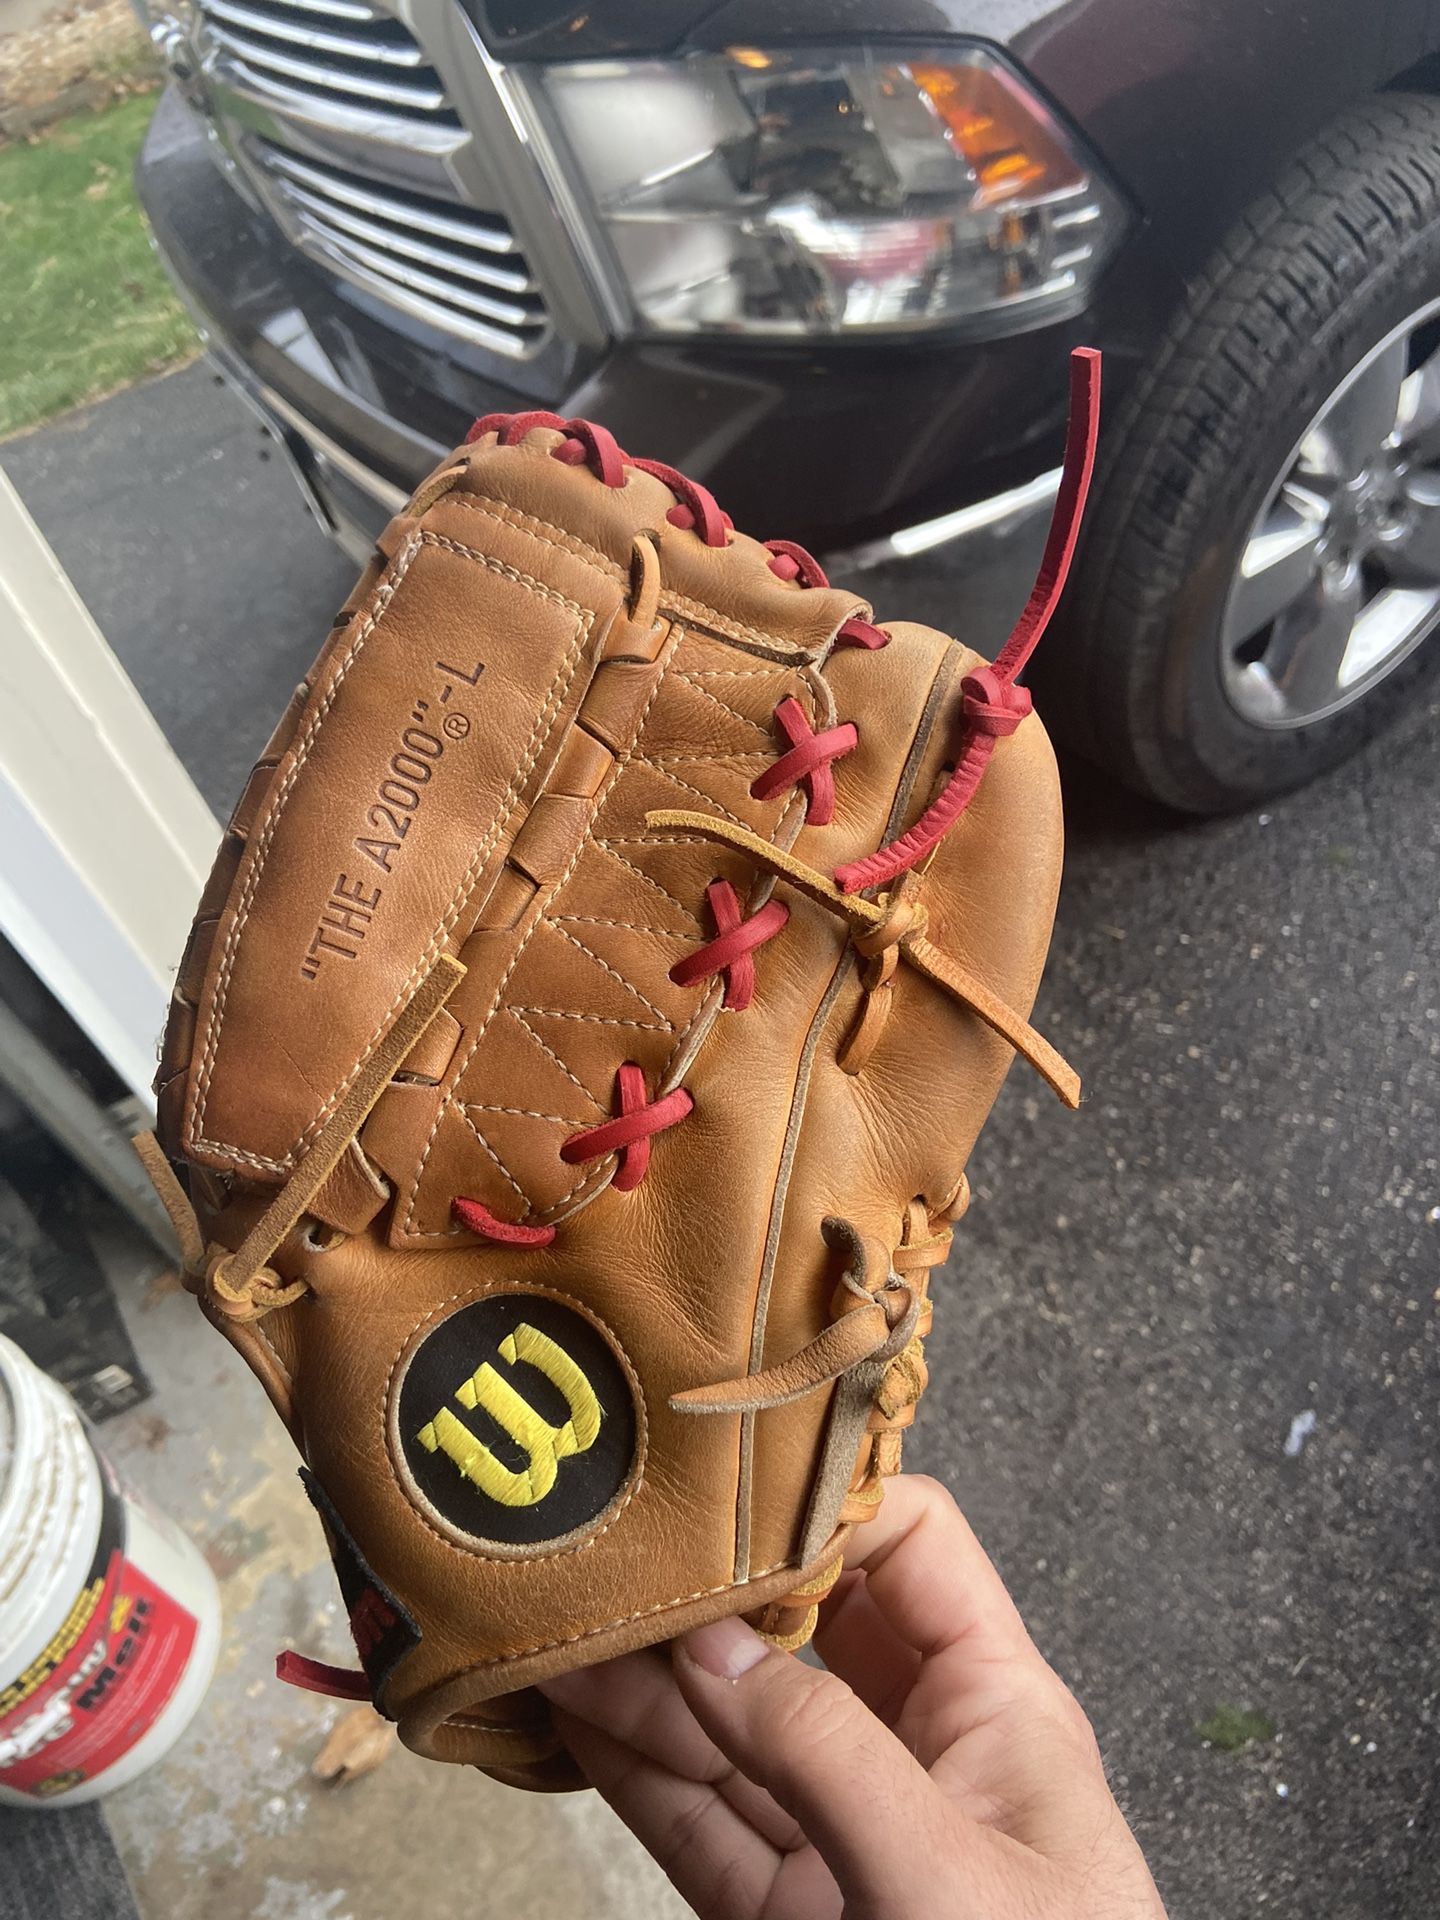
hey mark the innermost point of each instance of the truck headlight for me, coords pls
(822, 191)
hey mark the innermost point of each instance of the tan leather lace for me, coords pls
(875, 1322)
(889, 923)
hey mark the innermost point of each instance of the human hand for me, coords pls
(938, 1771)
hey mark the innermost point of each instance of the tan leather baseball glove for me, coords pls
(573, 1066)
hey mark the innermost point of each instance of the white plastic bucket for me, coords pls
(109, 1616)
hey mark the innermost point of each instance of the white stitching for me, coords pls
(598, 1019)
(614, 974)
(523, 1113)
(596, 1176)
(698, 755)
(508, 516)
(663, 773)
(571, 543)
(793, 653)
(524, 1024)
(684, 840)
(463, 1110)
(725, 707)
(624, 1619)
(655, 840)
(627, 926)
(733, 673)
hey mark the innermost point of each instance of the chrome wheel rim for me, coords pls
(1339, 576)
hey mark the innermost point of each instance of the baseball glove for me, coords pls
(574, 1062)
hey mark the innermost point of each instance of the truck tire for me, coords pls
(1273, 376)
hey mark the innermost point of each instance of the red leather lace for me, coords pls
(807, 763)
(341, 1683)
(479, 1219)
(736, 940)
(629, 1133)
(993, 706)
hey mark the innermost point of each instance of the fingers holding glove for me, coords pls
(939, 1769)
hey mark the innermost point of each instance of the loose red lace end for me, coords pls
(992, 702)
(341, 1683)
(629, 1133)
(506, 1233)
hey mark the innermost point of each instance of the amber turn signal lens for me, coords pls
(1004, 145)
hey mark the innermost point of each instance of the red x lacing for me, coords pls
(736, 940)
(628, 1134)
(807, 761)
(993, 706)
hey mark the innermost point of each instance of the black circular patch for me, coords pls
(516, 1420)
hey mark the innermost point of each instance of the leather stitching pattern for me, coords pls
(698, 612)
(518, 1014)
(554, 919)
(541, 530)
(483, 1024)
(544, 725)
(624, 1619)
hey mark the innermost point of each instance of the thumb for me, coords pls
(863, 1801)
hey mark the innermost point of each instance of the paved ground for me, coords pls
(1241, 1230)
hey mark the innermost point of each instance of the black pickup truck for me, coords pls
(828, 258)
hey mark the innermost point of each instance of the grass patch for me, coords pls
(84, 306)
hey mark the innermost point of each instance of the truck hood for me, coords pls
(521, 30)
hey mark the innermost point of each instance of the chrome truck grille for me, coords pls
(361, 155)
(450, 264)
(312, 51)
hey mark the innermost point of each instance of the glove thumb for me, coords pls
(861, 1798)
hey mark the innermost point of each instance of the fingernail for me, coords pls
(727, 1648)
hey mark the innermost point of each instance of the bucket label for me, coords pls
(104, 1679)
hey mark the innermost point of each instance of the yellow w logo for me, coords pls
(543, 1445)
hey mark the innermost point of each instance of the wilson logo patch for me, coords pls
(516, 1421)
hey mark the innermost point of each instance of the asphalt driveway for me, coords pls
(1184, 1371)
